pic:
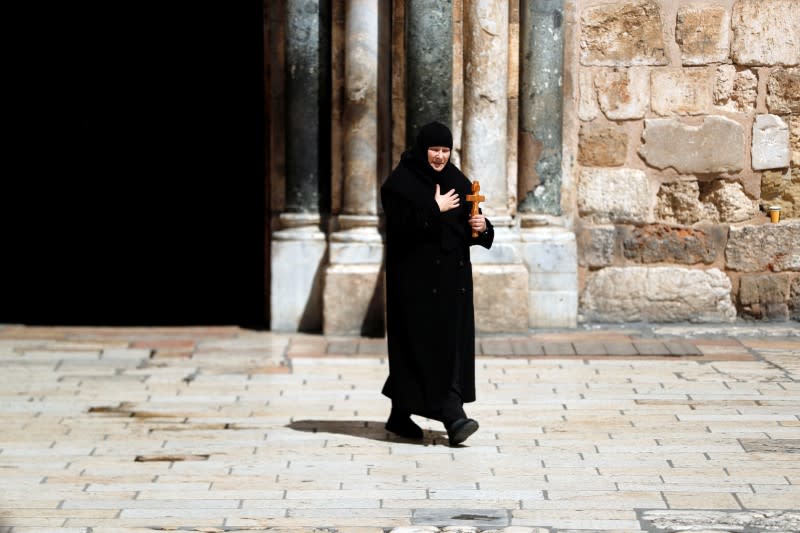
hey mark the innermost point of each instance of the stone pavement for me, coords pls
(623, 429)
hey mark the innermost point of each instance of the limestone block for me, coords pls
(703, 33)
(766, 32)
(735, 90)
(783, 189)
(679, 203)
(615, 195)
(665, 244)
(764, 289)
(597, 245)
(726, 201)
(549, 250)
(783, 91)
(794, 299)
(679, 91)
(765, 296)
(505, 248)
(794, 139)
(623, 34)
(623, 94)
(297, 266)
(500, 297)
(588, 107)
(553, 309)
(602, 146)
(657, 294)
(717, 145)
(356, 246)
(353, 300)
(551, 257)
(770, 142)
(773, 247)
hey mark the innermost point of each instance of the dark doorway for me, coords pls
(137, 192)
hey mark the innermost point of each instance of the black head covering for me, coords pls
(431, 134)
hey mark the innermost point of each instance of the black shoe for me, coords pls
(404, 427)
(460, 430)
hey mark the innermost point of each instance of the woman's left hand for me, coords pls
(478, 223)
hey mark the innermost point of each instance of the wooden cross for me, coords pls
(475, 198)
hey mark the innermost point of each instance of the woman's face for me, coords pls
(438, 156)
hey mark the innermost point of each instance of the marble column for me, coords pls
(428, 64)
(540, 105)
(298, 248)
(500, 278)
(549, 249)
(485, 100)
(352, 298)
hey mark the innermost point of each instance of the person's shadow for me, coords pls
(366, 429)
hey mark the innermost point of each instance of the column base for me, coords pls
(297, 259)
(500, 296)
(551, 255)
(354, 300)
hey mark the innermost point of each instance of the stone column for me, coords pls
(298, 246)
(429, 60)
(549, 252)
(500, 278)
(352, 299)
(485, 100)
(540, 105)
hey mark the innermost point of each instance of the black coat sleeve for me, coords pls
(411, 219)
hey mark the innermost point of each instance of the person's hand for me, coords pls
(478, 223)
(446, 201)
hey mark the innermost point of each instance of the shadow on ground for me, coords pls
(365, 429)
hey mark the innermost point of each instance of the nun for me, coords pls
(429, 309)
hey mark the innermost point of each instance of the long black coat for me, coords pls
(430, 314)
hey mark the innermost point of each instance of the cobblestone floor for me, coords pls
(608, 429)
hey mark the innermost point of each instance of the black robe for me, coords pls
(429, 307)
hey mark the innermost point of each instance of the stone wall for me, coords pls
(688, 129)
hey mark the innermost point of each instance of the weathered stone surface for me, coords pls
(794, 299)
(770, 142)
(695, 520)
(665, 244)
(735, 90)
(361, 110)
(298, 263)
(794, 139)
(726, 201)
(596, 246)
(678, 202)
(588, 106)
(703, 33)
(541, 55)
(681, 91)
(766, 32)
(551, 257)
(623, 34)
(353, 300)
(783, 189)
(623, 94)
(500, 298)
(764, 289)
(783, 91)
(715, 146)
(484, 140)
(615, 195)
(657, 294)
(428, 64)
(602, 146)
(773, 247)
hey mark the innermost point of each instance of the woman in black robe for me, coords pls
(429, 308)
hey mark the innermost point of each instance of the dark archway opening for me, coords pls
(136, 193)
